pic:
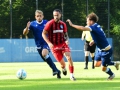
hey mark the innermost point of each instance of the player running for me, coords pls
(37, 27)
(55, 34)
(104, 52)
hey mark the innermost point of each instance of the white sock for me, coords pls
(71, 75)
(64, 69)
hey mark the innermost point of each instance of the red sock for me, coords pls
(71, 68)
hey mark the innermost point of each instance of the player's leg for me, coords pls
(97, 59)
(86, 59)
(109, 72)
(105, 57)
(116, 64)
(71, 66)
(67, 54)
(45, 54)
(59, 57)
(63, 66)
(97, 63)
(86, 50)
(92, 54)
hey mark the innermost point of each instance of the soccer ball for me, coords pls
(21, 74)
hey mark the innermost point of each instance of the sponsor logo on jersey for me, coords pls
(57, 31)
(61, 26)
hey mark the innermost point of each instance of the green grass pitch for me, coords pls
(39, 77)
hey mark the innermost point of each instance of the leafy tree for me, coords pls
(4, 19)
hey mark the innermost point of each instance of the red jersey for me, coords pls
(56, 31)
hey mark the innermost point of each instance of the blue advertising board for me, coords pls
(24, 50)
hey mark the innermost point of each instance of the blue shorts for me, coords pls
(104, 56)
(39, 49)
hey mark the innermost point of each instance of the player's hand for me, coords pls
(91, 43)
(82, 39)
(69, 21)
(50, 45)
(67, 42)
(28, 24)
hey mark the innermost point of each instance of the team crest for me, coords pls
(61, 26)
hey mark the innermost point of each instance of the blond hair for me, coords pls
(38, 11)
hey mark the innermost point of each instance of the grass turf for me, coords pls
(39, 77)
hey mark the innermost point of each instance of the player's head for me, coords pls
(57, 15)
(91, 19)
(39, 15)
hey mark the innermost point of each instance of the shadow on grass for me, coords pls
(60, 84)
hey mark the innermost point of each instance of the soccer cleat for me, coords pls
(72, 78)
(93, 67)
(86, 68)
(64, 72)
(59, 75)
(117, 65)
(111, 77)
(54, 73)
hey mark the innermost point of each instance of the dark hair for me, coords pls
(57, 10)
(92, 16)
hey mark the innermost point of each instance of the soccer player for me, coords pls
(36, 27)
(56, 36)
(88, 48)
(104, 52)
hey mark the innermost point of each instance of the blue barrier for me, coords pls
(24, 50)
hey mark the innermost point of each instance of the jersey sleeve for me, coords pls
(47, 26)
(89, 27)
(65, 27)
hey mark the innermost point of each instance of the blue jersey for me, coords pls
(37, 29)
(98, 36)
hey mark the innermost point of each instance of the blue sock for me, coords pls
(48, 60)
(51, 64)
(111, 63)
(108, 71)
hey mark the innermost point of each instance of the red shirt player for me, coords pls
(55, 34)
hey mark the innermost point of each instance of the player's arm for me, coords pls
(83, 35)
(81, 28)
(66, 37)
(91, 42)
(26, 30)
(45, 37)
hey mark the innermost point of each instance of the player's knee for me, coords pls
(87, 53)
(63, 66)
(62, 62)
(104, 69)
(46, 56)
(68, 57)
(98, 64)
(45, 53)
(92, 54)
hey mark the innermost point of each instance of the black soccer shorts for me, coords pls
(87, 47)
